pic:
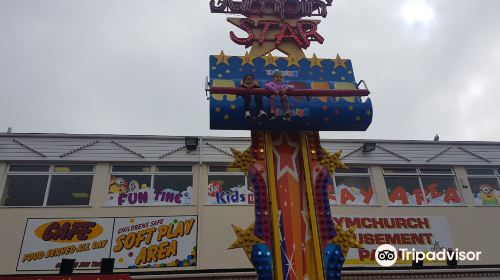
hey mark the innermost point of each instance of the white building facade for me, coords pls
(158, 206)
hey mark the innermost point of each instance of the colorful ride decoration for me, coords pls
(293, 236)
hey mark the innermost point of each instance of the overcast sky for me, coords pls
(137, 67)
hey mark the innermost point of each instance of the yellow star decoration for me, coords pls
(345, 239)
(233, 107)
(222, 58)
(332, 161)
(315, 61)
(226, 117)
(242, 160)
(292, 60)
(350, 108)
(245, 239)
(247, 59)
(339, 62)
(217, 109)
(270, 60)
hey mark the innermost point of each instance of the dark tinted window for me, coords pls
(480, 171)
(29, 168)
(168, 168)
(70, 190)
(25, 190)
(74, 168)
(131, 168)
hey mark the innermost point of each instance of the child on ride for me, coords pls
(250, 83)
(278, 88)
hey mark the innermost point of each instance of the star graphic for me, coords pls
(342, 78)
(368, 112)
(357, 118)
(349, 72)
(226, 117)
(345, 239)
(219, 76)
(247, 59)
(222, 58)
(233, 107)
(292, 60)
(228, 71)
(333, 73)
(350, 108)
(245, 239)
(315, 61)
(242, 160)
(339, 62)
(332, 160)
(217, 109)
(213, 67)
(270, 60)
(286, 161)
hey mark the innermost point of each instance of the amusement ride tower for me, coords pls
(293, 236)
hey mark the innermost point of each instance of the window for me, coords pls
(47, 185)
(422, 186)
(353, 186)
(227, 186)
(485, 186)
(150, 185)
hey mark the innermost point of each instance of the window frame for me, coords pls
(495, 175)
(419, 174)
(48, 173)
(350, 174)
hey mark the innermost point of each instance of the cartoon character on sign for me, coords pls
(133, 186)
(488, 194)
(214, 188)
(117, 185)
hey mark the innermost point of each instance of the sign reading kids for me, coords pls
(234, 195)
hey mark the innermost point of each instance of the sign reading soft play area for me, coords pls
(422, 233)
(138, 242)
(154, 242)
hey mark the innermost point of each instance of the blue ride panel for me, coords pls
(311, 113)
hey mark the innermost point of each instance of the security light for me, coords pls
(369, 146)
(191, 143)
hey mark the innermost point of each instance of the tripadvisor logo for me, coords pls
(387, 255)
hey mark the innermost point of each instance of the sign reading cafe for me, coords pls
(138, 242)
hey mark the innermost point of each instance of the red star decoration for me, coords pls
(286, 155)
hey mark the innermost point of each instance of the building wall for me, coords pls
(471, 227)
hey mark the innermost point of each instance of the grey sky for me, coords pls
(137, 67)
